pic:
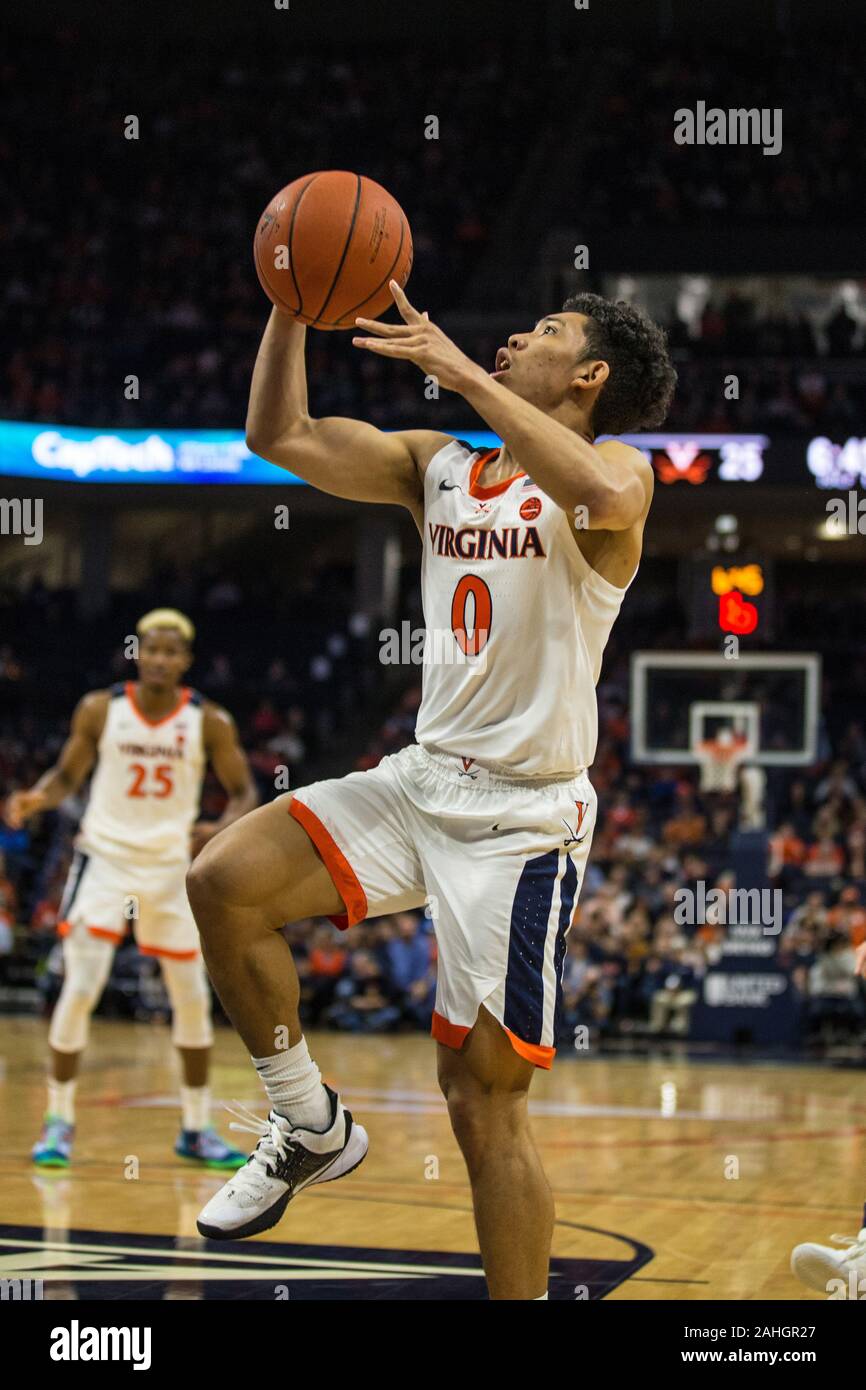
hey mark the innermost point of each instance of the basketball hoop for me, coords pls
(720, 759)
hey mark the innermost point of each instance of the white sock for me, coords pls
(195, 1107)
(61, 1099)
(294, 1086)
(540, 1299)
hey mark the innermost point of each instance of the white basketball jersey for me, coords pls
(516, 623)
(145, 792)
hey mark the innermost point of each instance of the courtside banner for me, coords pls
(69, 453)
(72, 453)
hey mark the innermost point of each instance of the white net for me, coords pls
(720, 760)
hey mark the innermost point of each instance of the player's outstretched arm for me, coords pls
(347, 458)
(611, 482)
(76, 760)
(229, 762)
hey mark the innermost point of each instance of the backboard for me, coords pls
(679, 700)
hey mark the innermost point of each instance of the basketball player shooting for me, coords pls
(149, 741)
(490, 814)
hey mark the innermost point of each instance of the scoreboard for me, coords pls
(726, 598)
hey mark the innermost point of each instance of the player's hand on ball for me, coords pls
(860, 960)
(20, 806)
(418, 340)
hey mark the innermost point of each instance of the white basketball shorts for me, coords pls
(104, 897)
(499, 861)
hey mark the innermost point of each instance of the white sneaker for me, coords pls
(818, 1265)
(283, 1163)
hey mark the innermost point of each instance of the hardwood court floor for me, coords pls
(636, 1151)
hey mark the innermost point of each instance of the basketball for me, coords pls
(327, 245)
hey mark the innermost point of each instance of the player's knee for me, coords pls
(189, 995)
(482, 1116)
(209, 882)
(86, 969)
(466, 1122)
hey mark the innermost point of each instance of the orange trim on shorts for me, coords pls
(170, 955)
(451, 1034)
(344, 878)
(64, 928)
(454, 1035)
(185, 692)
(475, 490)
(533, 1052)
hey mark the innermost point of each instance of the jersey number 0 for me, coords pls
(474, 585)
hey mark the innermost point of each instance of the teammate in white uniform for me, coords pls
(527, 553)
(150, 741)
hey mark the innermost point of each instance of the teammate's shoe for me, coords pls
(53, 1148)
(283, 1163)
(817, 1265)
(205, 1147)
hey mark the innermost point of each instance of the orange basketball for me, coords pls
(327, 245)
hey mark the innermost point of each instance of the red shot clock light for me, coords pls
(735, 586)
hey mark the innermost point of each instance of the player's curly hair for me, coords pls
(638, 393)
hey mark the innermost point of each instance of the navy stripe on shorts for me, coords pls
(523, 1013)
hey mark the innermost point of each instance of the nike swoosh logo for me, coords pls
(449, 487)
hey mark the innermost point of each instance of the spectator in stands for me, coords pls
(587, 996)
(7, 925)
(634, 844)
(855, 842)
(8, 894)
(266, 721)
(409, 964)
(364, 1002)
(287, 744)
(824, 857)
(787, 853)
(225, 592)
(219, 674)
(326, 960)
(840, 331)
(798, 810)
(848, 916)
(688, 825)
(834, 990)
(673, 992)
(10, 666)
(837, 785)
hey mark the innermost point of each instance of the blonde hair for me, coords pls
(166, 617)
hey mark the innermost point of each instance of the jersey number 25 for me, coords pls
(162, 782)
